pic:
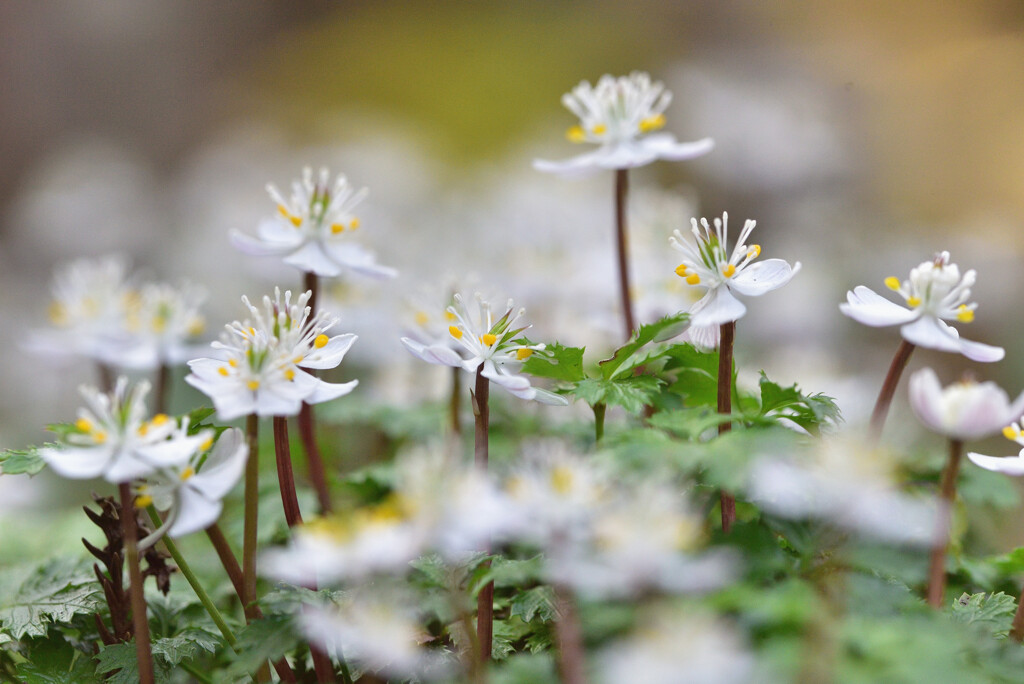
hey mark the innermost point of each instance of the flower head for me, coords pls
(264, 357)
(621, 115)
(935, 292)
(313, 228)
(485, 341)
(963, 410)
(1010, 465)
(709, 263)
(162, 318)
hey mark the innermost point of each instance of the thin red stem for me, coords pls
(285, 476)
(307, 429)
(485, 599)
(725, 346)
(140, 620)
(622, 247)
(947, 495)
(892, 379)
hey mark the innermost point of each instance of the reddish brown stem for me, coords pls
(622, 247)
(485, 599)
(569, 638)
(1017, 628)
(162, 389)
(947, 494)
(455, 402)
(140, 621)
(285, 475)
(727, 335)
(307, 429)
(892, 379)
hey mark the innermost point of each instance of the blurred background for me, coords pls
(862, 135)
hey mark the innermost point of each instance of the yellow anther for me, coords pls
(755, 251)
(599, 129)
(159, 325)
(252, 331)
(652, 123)
(253, 385)
(233, 363)
(576, 134)
(561, 479)
(455, 332)
(964, 315)
(207, 443)
(523, 353)
(321, 341)
(143, 501)
(693, 279)
(1010, 433)
(143, 429)
(422, 318)
(58, 314)
(289, 374)
(160, 419)
(196, 327)
(354, 225)
(337, 228)
(298, 359)
(892, 282)
(296, 221)
(100, 436)
(681, 270)
(187, 473)
(488, 339)
(83, 424)
(913, 302)
(223, 370)
(729, 271)
(449, 316)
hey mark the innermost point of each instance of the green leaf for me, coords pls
(22, 461)
(992, 612)
(695, 372)
(980, 487)
(807, 411)
(631, 392)
(54, 592)
(265, 639)
(626, 358)
(690, 423)
(120, 660)
(537, 602)
(558, 362)
(527, 668)
(507, 633)
(54, 661)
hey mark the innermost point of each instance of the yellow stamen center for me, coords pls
(354, 225)
(729, 271)
(561, 480)
(320, 341)
(576, 134)
(337, 228)
(100, 436)
(421, 318)
(652, 123)
(233, 363)
(143, 501)
(455, 332)
(207, 443)
(449, 316)
(523, 353)
(298, 359)
(289, 374)
(253, 385)
(223, 371)
(187, 473)
(681, 270)
(296, 221)
(143, 429)
(892, 282)
(160, 419)
(914, 302)
(196, 327)
(84, 425)
(58, 314)
(755, 251)
(964, 315)
(599, 129)
(488, 339)
(1010, 433)
(693, 279)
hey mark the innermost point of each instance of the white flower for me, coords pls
(1010, 465)
(162, 318)
(193, 490)
(708, 263)
(963, 410)
(621, 115)
(313, 229)
(493, 344)
(935, 292)
(262, 367)
(111, 435)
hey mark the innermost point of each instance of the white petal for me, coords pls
(982, 353)
(77, 463)
(128, 466)
(931, 333)
(195, 512)
(718, 306)
(325, 391)
(172, 452)
(1010, 465)
(312, 259)
(581, 165)
(665, 146)
(926, 397)
(256, 247)
(543, 396)
(224, 466)
(331, 354)
(278, 231)
(435, 353)
(763, 276)
(271, 403)
(865, 306)
(357, 258)
(625, 155)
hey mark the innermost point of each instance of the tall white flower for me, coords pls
(963, 410)
(1009, 465)
(111, 437)
(313, 229)
(262, 369)
(162, 319)
(493, 344)
(709, 263)
(935, 292)
(621, 115)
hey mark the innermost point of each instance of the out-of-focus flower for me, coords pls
(193, 490)
(708, 263)
(1009, 465)
(935, 292)
(264, 357)
(313, 229)
(963, 410)
(678, 648)
(493, 344)
(161, 319)
(621, 115)
(111, 437)
(852, 485)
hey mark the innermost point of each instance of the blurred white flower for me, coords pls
(935, 292)
(1009, 465)
(493, 344)
(261, 370)
(111, 435)
(162, 319)
(621, 115)
(963, 410)
(708, 263)
(313, 229)
(677, 648)
(853, 485)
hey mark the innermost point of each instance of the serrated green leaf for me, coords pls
(992, 612)
(536, 602)
(695, 372)
(980, 487)
(807, 411)
(506, 634)
(268, 638)
(690, 423)
(22, 461)
(527, 668)
(558, 362)
(55, 592)
(54, 661)
(631, 393)
(625, 358)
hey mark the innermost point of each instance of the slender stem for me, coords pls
(599, 411)
(892, 379)
(728, 334)
(485, 599)
(193, 581)
(622, 246)
(227, 559)
(1017, 628)
(252, 495)
(569, 638)
(106, 376)
(140, 621)
(285, 476)
(947, 493)
(162, 390)
(455, 402)
(307, 429)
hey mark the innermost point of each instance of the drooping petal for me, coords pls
(931, 333)
(543, 396)
(331, 354)
(580, 165)
(325, 391)
(866, 306)
(278, 231)
(1009, 465)
(718, 306)
(311, 258)
(77, 463)
(925, 393)
(516, 385)
(763, 276)
(256, 247)
(173, 452)
(627, 154)
(665, 146)
(435, 353)
(195, 512)
(357, 258)
(126, 466)
(272, 403)
(982, 353)
(224, 466)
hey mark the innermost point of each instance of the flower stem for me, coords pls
(285, 476)
(455, 402)
(1017, 628)
(727, 334)
(892, 378)
(569, 638)
(485, 599)
(106, 376)
(621, 191)
(307, 430)
(193, 581)
(599, 411)
(140, 621)
(162, 390)
(252, 496)
(947, 493)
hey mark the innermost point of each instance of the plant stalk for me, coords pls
(599, 410)
(622, 247)
(140, 620)
(1017, 628)
(485, 599)
(162, 389)
(892, 379)
(285, 476)
(569, 638)
(725, 362)
(307, 429)
(252, 495)
(947, 495)
(455, 402)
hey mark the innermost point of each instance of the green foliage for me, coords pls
(52, 593)
(268, 638)
(809, 411)
(558, 362)
(22, 461)
(632, 355)
(52, 660)
(991, 612)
